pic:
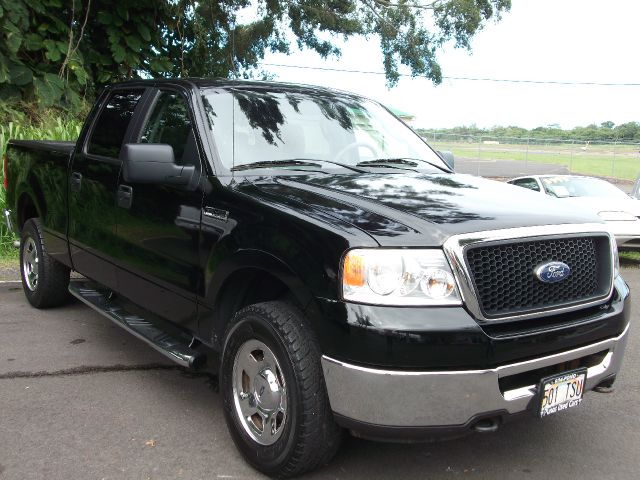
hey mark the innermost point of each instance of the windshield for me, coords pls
(581, 187)
(290, 127)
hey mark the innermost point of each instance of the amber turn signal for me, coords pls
(353, 270)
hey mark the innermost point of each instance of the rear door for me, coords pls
(158, 232)
(93, 180)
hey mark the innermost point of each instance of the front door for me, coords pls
(93, 180)
(158, 231)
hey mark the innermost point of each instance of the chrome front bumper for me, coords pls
(394, 398)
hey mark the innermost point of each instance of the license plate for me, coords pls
(562, 391)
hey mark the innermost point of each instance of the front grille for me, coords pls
(505, 283)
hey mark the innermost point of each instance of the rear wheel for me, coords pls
(45, 281)
(275, 399)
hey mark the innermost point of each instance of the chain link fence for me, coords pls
(510, 156)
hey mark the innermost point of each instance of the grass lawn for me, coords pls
(9, 258)
(618, 161)
(630, 258)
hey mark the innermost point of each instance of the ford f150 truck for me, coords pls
(317, 254)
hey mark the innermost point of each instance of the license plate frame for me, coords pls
(559, 381)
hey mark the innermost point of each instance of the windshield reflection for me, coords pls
(253, 128)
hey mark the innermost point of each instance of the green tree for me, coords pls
(627, 131)
(624, 132)
(58, 52)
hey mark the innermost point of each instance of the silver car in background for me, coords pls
(620, 211)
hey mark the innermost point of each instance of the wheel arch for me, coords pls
(248, 277)
(27, 206)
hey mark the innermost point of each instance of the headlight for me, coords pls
(617, 216)
(398, 277)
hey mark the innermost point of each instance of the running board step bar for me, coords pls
(177, 349)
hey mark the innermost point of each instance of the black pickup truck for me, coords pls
(317, 254)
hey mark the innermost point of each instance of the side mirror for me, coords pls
(153, 163)
(448, 158)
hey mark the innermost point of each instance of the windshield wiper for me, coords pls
(401, 161)
(274, 164)
(294, 162)
(398, 163)
(343, 165)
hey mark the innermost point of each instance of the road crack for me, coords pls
(88, 370)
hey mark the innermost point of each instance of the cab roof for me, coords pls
(196, 82)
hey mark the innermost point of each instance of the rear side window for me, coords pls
(529, 183)
(111, 126)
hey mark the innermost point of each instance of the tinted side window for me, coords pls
(169, 123)
(111, 126)
(529, 183)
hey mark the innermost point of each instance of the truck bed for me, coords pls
(37, 171)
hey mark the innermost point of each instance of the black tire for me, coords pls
(50, 288)
(309, 437)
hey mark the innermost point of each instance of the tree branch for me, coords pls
(72, 52)
(426, 6)
(70, 43)
(380, 17)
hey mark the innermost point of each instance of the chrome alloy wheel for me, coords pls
(259, 392)
(30, 263)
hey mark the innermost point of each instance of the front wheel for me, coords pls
(275, 400)
(45, 282)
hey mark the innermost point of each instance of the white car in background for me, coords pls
(615, 207)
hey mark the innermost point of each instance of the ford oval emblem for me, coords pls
(552, 272)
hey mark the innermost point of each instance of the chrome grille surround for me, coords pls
(455, 246)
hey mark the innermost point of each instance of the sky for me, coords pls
(542, 40)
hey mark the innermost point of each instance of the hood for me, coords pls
(605, 204)
(420, 209)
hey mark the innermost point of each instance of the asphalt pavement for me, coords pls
(82, 399)
(507, 168)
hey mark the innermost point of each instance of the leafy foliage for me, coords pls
(6, 237)
(58, 52)
(57, 129)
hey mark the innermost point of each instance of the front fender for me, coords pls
(227, 288)
(260, 260)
